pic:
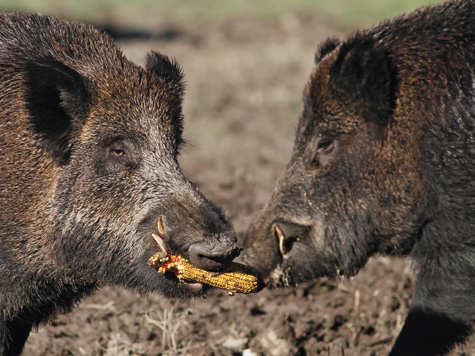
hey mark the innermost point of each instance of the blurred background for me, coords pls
(151, 13)
(245, 63)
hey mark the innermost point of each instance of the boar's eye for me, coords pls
(325, 146)
(120, 153)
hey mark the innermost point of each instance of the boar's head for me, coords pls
(113, 131)
(350, 188)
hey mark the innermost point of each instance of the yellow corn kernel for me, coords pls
(157, 259)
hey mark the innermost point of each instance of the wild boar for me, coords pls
(384, 163)
(88, 164)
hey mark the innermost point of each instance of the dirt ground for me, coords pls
(244, 85)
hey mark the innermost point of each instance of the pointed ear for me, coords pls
(58, 99)
(362, 74)
(168, 70)
(326, 47)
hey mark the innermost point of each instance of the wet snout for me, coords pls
(213, 254)
(217, 246)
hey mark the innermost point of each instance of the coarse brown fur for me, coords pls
(384, 162)
(88, 161)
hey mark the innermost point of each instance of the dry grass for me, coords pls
(169, 324)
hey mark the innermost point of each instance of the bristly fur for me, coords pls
(383, 163)
(326, 47)
(170, 72)
(362, 76)
(168, 69)
(88, 162)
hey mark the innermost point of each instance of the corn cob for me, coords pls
(236, 278)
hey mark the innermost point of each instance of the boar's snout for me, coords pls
(200, 233)
(260, 247)
(273, 245)
(217, 247)
(213, 256)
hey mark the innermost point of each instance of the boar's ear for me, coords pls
(171, 74)
(168, 70)
(326, 47)
(58, 99)
(361, 74)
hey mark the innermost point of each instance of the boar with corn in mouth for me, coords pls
(384, 163)
(88, 161)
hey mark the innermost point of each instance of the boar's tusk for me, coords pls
(281, 238)
(161, 244)
(162, 255)
(160, 228)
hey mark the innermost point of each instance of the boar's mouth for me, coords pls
(288, 237)
(302, 255)
(163, 255)
(234, 278)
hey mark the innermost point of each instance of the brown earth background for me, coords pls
(245, 76)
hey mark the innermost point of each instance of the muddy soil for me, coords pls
(244, 84)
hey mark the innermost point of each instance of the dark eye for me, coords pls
(119, 152)
(325, 146)
(118, 156)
